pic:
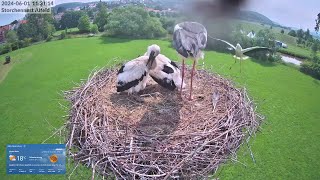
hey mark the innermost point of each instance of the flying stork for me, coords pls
(189, 39)
(239, 52)
(165, 72)
(133, 76)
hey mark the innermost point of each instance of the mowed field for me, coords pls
(287, 147)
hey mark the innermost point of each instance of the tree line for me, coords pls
(129, 22)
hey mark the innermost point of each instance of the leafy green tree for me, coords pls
(282, 31)
(265, 38)
(152, 14)
(168, 24)
(102, 16)
(48, 29)
(300, 33)
(292, 33)
(153, 28)
(61, 9)
(38, 27)
(90, 13)
(134, 22)
(315, 47)
(307, 35)
(11, 36)
(84, 24)
(70, 19)
(94, 29)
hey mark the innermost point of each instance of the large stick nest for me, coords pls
(158, 134)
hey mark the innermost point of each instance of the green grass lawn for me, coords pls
(295, 50)
(286, 148)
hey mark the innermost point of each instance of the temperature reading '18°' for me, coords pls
(21, 158)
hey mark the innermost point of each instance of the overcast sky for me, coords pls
(292, 13)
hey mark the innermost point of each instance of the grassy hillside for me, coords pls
(254, 17)
(286, 148)
(293, 47)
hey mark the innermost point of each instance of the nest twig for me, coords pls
(157, 134)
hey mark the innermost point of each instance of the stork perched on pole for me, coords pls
(239, 52)
(189, 39)
(133, 76)
(166, 72)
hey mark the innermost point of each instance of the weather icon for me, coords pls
(12, 158)
(53, 158)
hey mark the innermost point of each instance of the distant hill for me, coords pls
(254, 17)
(68, 5)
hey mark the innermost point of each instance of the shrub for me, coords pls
(63, 35)
(6, 48)
(27, 42)
(274, 58)
(49, 38)
(94, 29)
(84, 24)
(11, 36)
(14, 46)
(311, 68)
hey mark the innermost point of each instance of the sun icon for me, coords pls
(12, 158)
(53, 158)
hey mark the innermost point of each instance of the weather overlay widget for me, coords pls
(36, 159)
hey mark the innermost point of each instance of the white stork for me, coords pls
(133, 76)
(239, 52)
(189, 38)
(166, 73)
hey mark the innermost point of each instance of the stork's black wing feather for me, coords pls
(166, 83)
(123, 86)
(174, 64)
(121, 70)
(167, 69)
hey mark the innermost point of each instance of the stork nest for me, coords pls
(157, 134)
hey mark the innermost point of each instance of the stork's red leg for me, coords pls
(182, 76)
(240, 64)
(192, 74)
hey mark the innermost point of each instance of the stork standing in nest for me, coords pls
(239, 52)
(165, 72)
(189, 39)
(133, 76)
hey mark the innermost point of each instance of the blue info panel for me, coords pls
(36, 159)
